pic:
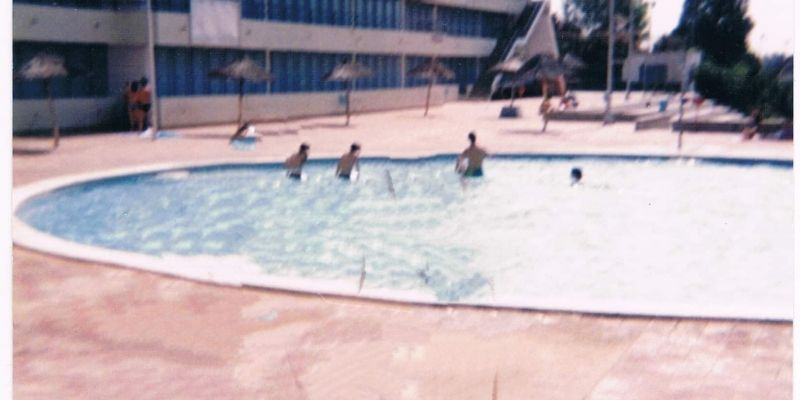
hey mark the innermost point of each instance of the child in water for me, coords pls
(575, 175)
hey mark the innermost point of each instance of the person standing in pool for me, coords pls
(349, 161)
(294, 164)
(474, 156)
(575, 176)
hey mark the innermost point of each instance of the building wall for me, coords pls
(185, 111)
(30, 115)
(284, 36)
(125, 34)
(503, 6)
(676, 63)
(62, 24)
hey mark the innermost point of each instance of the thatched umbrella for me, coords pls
(45, 66)
(242, 70)
(509, 67)
(547, 68)
(431, 70)
(347, 72)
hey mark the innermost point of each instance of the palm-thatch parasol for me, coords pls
(431, 70)
(347, 72)
(510, 67)
(242, 70)
(546, 68)
(45, 66)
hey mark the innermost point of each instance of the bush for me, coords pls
(745, 86)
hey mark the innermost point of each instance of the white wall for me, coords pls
(187, 111)
(72, 113)
(541, 38)
(504, 6)
(283, 36)
(62, 24)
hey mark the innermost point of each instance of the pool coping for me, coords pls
(206, 268)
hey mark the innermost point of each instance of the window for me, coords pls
(324, 12)
(466, 71)
(183, 71)
(419, 16)
(463, 22)
(381, 14)
(181, 6)
(385, 72)
(303, 72)
(87, 65)
(411, 63)
(254, 9)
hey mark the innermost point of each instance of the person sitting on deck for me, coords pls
(246, 130)
(474, 156)
(294, 164)
(348, 161)
(753, 124)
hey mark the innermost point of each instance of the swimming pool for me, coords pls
(657, 236)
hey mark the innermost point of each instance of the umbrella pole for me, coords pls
(241, 95)
(347, 101)
(53, 116)
(513, 91)
(428, 97)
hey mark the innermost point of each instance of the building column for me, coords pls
(403, 70)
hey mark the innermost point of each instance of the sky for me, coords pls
(773, 20)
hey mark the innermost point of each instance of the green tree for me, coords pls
(583, 32)
(718, 28)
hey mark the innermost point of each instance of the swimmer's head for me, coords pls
(576, 174)
(304, 148)
(355, 147)
(472, 137)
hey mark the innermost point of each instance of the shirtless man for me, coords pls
(348, 161)
(474, 156)
(294, 164)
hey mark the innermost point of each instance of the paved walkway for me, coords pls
(83, 330)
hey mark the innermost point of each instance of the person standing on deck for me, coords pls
(474, 156)
(144, 99)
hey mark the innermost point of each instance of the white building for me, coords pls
(660, 69)
(297, 40)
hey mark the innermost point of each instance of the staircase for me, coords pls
(505, 43)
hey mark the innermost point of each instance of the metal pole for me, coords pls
(630, 45)
(151, 69)
(610, 73)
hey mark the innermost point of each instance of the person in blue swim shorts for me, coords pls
(473, 158)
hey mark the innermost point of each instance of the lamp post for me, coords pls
(630, 45)
(608, 119)
(151, 70)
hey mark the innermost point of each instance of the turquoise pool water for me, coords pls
(654, 236)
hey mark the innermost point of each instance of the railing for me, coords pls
(505, 44)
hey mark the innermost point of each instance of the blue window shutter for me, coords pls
(181, 72)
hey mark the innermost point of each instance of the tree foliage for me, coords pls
(583, 32)
(719, 28)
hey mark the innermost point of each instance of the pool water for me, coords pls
(649, 236)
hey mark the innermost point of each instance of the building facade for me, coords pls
(111, 42)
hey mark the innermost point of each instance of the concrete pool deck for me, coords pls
(85, 330)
